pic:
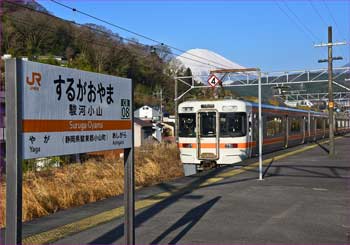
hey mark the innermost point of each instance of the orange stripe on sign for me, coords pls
(38, 126)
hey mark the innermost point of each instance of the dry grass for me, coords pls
(77, 184)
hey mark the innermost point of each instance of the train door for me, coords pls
(324, 128)
(286, 131)
(255, 134)
(309, 126)
(304, 128)
(208, 129)
(250, 134)
(314, 128)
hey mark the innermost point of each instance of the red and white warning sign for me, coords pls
(213, 80)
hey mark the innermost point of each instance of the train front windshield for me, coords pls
(231, 124)
(187, 125)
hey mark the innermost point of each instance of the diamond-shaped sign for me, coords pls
(213, 80)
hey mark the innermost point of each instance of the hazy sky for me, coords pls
(250, 33)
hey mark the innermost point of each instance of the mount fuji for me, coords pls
(202, 61)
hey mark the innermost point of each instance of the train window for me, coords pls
(327, 123)
(187, 125)
(208, 124)
(295, 125)
(233, 124)
(274, 126)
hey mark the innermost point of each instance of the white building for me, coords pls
(147, 113)
(143, 131)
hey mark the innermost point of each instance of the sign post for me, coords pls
(129, 186)
(53, 111)
(13, 233)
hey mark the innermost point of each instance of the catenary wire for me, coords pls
(295, 22)
(301, 22)
(132, 32)
(334, 20)
(318, 13)
(337, 29)
(107, 33)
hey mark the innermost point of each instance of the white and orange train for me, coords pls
(225, 132)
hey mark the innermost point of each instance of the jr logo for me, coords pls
(36, 78)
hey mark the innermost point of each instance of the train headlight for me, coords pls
(229, 108)
(231, 145)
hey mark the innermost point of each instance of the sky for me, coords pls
(271, 35)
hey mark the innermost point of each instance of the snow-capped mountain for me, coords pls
(202, 61)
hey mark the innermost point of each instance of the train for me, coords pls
(224, 132)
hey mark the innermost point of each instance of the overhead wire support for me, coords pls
(334, 20)
(330, 44)
(330, 60)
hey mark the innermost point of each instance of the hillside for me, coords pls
(41, 38)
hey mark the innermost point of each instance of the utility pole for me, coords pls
(330, 59)
(159, 94)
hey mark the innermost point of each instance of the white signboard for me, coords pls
(67, 111)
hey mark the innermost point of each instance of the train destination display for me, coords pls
(68, 111)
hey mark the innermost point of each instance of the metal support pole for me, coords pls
(176, 114)
(161, 105)
(13, 232)
(260, 128)
(129, 186)
(330, 94)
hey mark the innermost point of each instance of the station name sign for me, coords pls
(68, 111)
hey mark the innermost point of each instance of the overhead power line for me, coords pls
(318, 13)
(132, 32)
(301, 22)
(107, 33)
(296, 23)
(334, 20)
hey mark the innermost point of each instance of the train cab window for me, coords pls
(295, 125)
(187, 125)
(274, 126)
(233, 124)
(207, 124)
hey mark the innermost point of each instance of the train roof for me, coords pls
(199, 102)
(281, 108)
(264, 106)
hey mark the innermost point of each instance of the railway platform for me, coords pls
(304, 198)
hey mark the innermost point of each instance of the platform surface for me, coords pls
(303, 199)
